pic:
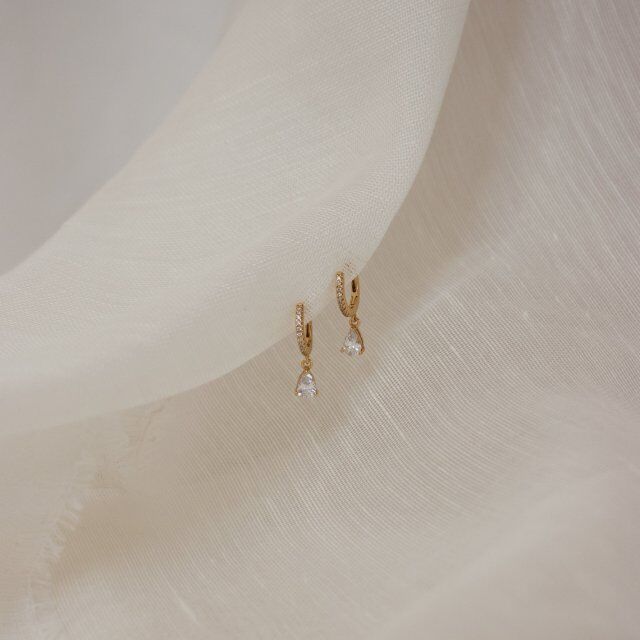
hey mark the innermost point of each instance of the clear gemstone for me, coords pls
(352, 343)
(306, 387)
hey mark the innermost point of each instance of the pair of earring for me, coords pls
(353, 343)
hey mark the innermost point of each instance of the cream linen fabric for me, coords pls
(474, 475)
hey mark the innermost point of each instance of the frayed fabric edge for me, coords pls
(111, 443)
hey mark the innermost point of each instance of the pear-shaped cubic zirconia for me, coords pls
(352, 343)
(306, 386)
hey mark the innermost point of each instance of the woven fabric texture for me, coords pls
(474, 474)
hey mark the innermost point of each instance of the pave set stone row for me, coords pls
(342, 303)
(302, 343)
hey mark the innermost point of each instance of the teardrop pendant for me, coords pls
(353, 344)
(306, 385)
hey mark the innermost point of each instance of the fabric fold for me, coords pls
(474, 473)
(284, 162)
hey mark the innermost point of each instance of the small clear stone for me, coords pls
(306, 387)
(352, 343)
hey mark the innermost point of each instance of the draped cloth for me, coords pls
(475, 473)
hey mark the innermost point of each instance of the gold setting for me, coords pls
(350, 309)
(305, 386)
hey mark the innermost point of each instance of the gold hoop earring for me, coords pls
(353, 343)
(306, 385)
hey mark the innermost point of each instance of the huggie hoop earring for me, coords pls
(306, 385)
(353, 343)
